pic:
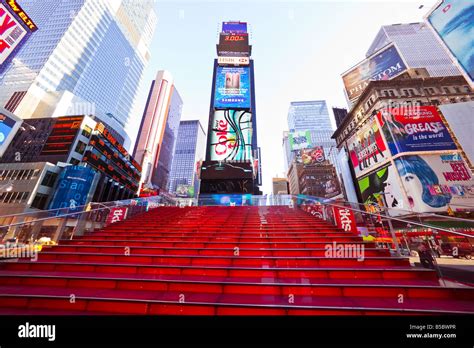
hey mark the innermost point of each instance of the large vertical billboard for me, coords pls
(382, 188)
(9, 125)
(385, 64)
(367, 149)
(412, 129)
(233, 45)
(299, 140)
(231, 136)
(15, 27)
(232, 88)
(435, 183)
(453, 21)
(75, 187)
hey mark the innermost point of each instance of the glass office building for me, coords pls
(418, 46)
(312, 116)
(190, 147)
(96, 50)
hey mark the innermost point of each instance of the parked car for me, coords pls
(457, 249)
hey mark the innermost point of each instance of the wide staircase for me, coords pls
(222, 261)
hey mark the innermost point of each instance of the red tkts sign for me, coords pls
(116, 214)
(345, 219)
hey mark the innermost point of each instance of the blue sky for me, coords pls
(300, 49)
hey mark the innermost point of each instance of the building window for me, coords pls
(87, 131)
(446, 90)
(40, 201)
(457, 90)
(432, 90)
(467, 89)
(80, 148)
(49, 179)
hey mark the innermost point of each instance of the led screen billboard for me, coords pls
(434, 183)
(233, 45)
(62, 135)
(231, 136)
(232, 88)
(15, 27)
(311, 156)
(367, 148)
(234, 27)
(417, 128)
(75, 187)
(185, 191)
(9, 125)
(453, 21)
(382, 188)
(299, 140)
(385, 64)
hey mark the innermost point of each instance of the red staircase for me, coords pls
(224, 261)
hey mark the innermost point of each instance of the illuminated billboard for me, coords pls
(311, 156)
(234, 27)
(367, 148)
(15, 27)
(233, 45)
(75, 187)
(453, 21)
(299, 140)
(435, 183)
(232, 88)
(414, 129)
(9, 125)
(231, 136)
(385, 64)
(185, 191)
(382, 188)
(62, 136)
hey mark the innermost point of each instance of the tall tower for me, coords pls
(233, 163)
(158, 132)
(95, 51)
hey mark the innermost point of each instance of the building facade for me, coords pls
(418, 46)
(158, 132)
(190, 147)
(339, 115)
(280, 186)
(96, 50)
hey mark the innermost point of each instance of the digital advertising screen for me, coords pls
(453, 22)
(382, 65)
(367, 149)
(435, 183)
(299, 140)
(311, 156)
(62, 135)
(15, 28)
(233, 45)
(9, 125)
(234, 27)
(232, 88)
(414, 129)
(231, 136)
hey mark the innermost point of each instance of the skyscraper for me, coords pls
(305, 115)
(232, 162)
(311, 116)
(96, 50)
(158, 132)
(339, 115)
(189, 149)
(418, 46)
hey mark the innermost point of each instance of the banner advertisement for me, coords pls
(233, 45)
(75, 184)
(436, 183)
(381, 188)
(345, 219)
(367, 148)
(234, 27)
(299, 140)
(9, 125)
(415, 129)
(116, 214)
(231, 136)
(232, 88)
(385, 64)
(311, 156)
(185, 191)
(233, 60)
(453, 21)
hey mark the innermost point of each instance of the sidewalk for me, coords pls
(461, 270)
